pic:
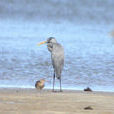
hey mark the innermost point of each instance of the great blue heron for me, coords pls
(57, 57)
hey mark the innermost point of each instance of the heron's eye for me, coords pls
(48, 41)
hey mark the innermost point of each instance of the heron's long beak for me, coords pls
(42, 43)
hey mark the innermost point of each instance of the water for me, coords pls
(89, 50)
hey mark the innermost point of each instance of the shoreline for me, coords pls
(66, 89)
(34, 90)
(47, 102)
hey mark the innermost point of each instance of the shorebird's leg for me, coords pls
(53, 81)
(60, 85)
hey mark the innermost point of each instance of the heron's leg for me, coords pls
(53, 81)
(60, 85)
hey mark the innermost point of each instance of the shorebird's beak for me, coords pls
(41, 43)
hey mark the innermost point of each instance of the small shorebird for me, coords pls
(40, 84)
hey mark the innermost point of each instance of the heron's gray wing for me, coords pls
(58, 59)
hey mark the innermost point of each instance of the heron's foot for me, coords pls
(54, 90)
(57, 91)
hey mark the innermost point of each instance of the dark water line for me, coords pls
(94, 88)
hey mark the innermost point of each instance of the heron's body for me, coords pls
(57, 57)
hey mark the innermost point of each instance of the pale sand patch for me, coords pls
(32, 101)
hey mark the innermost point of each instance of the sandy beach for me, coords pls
(32, 101)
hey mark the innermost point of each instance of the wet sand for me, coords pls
(32, 101)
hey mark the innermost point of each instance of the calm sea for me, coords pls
(82, 27)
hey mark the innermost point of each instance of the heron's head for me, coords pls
(49, 40)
